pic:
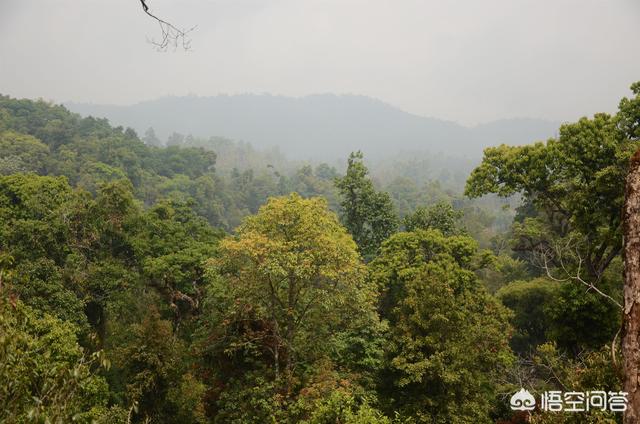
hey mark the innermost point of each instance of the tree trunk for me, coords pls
(631, 317)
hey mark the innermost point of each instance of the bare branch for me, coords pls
(171, 35)
(559, 253)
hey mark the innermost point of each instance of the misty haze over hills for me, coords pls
(317, 127)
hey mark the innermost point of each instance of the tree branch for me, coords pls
(171, 35)
(570, 276)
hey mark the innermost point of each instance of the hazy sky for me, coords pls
(469, 61)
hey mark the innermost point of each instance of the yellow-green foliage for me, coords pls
(45, 375)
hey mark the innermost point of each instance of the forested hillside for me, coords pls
(324, 127)
(208, 282)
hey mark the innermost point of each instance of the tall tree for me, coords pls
(286, 292)
(631, 318)
(573, 190)
(448, 337)
(572, 182)
(630, 123)
(368, 214)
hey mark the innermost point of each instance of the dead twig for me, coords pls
(171, 35)
(557, 254)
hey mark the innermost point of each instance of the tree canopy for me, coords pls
(208, 282)
(367, 214)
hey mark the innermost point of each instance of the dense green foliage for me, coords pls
(206, 282)
(572, 187)
(448, 339)
(289, 314)
(441, 216)
(366, 213)
(46, 376)
(569, 229)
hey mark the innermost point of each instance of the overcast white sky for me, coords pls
(464, 60)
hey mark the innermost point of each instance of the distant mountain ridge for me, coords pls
(318, 127)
